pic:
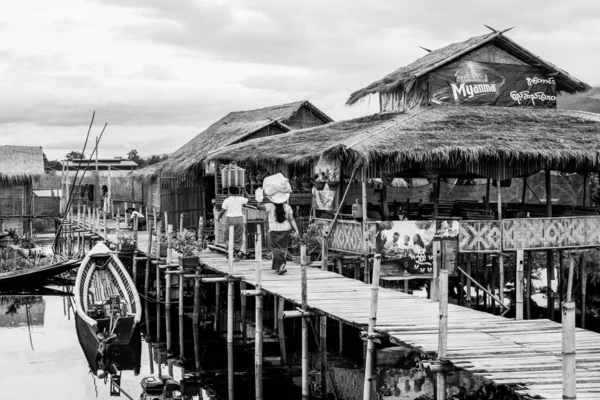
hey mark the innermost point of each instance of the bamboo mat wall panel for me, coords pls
(480, 236)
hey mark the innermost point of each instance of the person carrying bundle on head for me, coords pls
(281, 218)
(232, 207)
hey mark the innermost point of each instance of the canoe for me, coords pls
(108, 311)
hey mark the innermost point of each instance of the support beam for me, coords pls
(443, 333)
(244, 313)
(168, 314)
(230, 370)
(323, 351)
(568, 351)
(258, 333)
(519, 285)
(367, 387)
(281, 331)
(181, 330)
(304, 296)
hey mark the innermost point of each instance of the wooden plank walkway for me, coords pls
(525, 355)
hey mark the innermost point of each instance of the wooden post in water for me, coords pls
(181, 330)
(519, 285)
(325, 250)
(500, 278)
(367, 388)
(323, 351)
(443, 333)
(217, 306)
(341, 324)
(168, 314)
(196, 321)
(304, 296)
(158, 316)
(258, 333)
(244, 313)
(230, 317)
(281, 331)
(583, 276)
(568, 339)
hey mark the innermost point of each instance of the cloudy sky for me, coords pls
(160, 71)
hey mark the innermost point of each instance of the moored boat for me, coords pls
(108, 311)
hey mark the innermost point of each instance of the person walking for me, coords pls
(281, 219)
(232, 207)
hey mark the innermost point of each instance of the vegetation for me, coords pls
(185, 243)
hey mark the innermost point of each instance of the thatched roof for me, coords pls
(231, 129)
(404, 78)
(21, 163)
(436, 135)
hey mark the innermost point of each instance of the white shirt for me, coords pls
(273, 224)
(233, 205)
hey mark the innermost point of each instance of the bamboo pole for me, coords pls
(323, 351)
(217, 306)
(501, 277)
(583, 275)
(528, 272)
(281, 331)
(367, 387)
(196, 322)
(181, 216)
(244, 314)
(304, 297)
(258, 344)
(568, 339)
(168, 314)
(181, 330)
(340, 323)
(230, 370)
(443, 332)
(549, 253)
(169, 240)
(325, 250)
(437, 259)
(364, 226)
(519, 285)
(158, 316)
(469, 258)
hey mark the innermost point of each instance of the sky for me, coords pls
(161, 71)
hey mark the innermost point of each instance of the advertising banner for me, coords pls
(486, 84)
(406, 247)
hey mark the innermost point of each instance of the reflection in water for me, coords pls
(21, 310)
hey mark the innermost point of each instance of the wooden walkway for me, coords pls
(524, 355)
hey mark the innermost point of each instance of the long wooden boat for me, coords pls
(108, 311)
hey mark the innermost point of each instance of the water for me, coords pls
(42, 359)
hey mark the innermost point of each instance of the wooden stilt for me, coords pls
(281, 331)
(217, 306)
(196, 323)
(501, 277)
(443, 333)
(549, 253)
(230, 370)
(323, 351)
(367, 388)
(583, 276)
(568, 339)
(158, 316)
(244, 314)
(258, 344)
(437, 258)
(181, 330)
(275, 311)
(325, 250)
(168, 314)
(469, 257)
(304, 296)
(527, 299)
(519, 285)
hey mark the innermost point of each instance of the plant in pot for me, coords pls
(333, 179)
(306, 182)
(320, 181)
(312, 238)
(125, 243)
(185, 244)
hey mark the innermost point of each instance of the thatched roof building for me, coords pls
(20, 163)
(409, 85)
(236, 127)
(454, 138)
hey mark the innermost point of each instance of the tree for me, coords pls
(154, 159)
(75, 155)
(134, 156)
(51, 165)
